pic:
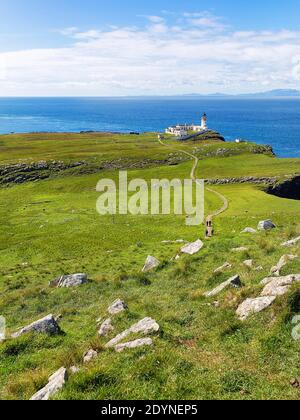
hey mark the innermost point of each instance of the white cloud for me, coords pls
(166, 56)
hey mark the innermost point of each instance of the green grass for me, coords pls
(51, 227)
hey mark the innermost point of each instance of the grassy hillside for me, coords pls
(50, 227)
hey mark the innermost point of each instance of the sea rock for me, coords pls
(73, 280)
(241, 249)
(252, 306)
(278, 286)
(233, 282)
(150, 264)
(282, 263)
(226, 266)
(47, 325)
(145, 326)
(249, 230)
(292, 242)
(249, 263)
(134, 344)
(192, 248)
(55, 384)
(117, 306)
(106, 328)
(89, 356)
(266, 225)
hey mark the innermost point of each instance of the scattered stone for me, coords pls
(282, 263)
(178, 241)
(294, 383)
(266, 225)
(292, 242)
(145, 326)
(259, 268)
(241, 249)
(117, 307)
(73, 280)
(252, 306)
(47, 325)
(150, 264)
(134, 344)
(74, 369)
(106, 328)
(249, 230)
(233, 282)
(192, 248)
(55, 384)
(249, 263)
(226, 266)
(279, 286)
(89, 356)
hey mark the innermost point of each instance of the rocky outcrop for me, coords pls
(292, 242)
(266, 225)
(141, 342)
(281, 264)
(253, 306)
(242, 180)
(249, 263)
(106, 328)
(249, 230)
(47, 325)
(89, 356)
(150, 264)
(278, 286)
(289, 188)
(192, 248)
(117, 306)
(73, 280)
(232, 282)
(225, 266)
(55, 384)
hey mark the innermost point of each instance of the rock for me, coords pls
(150, 264)
(192, 248)
(249, 230)
(74, 369)
(224, 267)
(73, 280)
(292, 242)
(177, 257)
(249, 263)
(55, 384)
(106, 328)
(47, 325)
(134, 344)
(89, 356)
(117, 306)
(278, 286)
(252, 306)
(233, 282)
(294, 383)
(241, 249)
(282, 263)
(266, 225)
(259, 268)
(145, 326)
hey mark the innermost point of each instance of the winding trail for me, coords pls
(194, 178)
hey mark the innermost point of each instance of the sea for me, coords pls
(274, 121)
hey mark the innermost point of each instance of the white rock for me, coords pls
(241, 249)
(47, 325)
(192, 248)
(249, 230)
(226, 266)
(134, 344)
(266, 225)
(252, 306)
(278, 286)
(292, 242)
(74, 369)
(145, 326)
(259, 268)
(55, 384)
(150, 264)
(233, 282)
(106, 328)
(89, 356)
(73, 280)
(117, 306)
(249, 263)
(282, 263)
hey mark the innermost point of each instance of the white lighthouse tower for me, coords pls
(204, 122)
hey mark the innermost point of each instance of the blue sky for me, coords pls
(117, 47)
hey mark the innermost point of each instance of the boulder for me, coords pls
(282, 263)
(192, 248)
(226, 266)
(73, 280)
(232, 282)
(134, 344)
(89, 356)
(278, 286)
(292, 242)
(266, 225)
(249, 230)
(150, 264)
(252, 306)
(249, 263)
(47, 325)
(55, 384)
(106, 328)
(117, 306)
(145, 326)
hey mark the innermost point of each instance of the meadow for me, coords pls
(50, 227)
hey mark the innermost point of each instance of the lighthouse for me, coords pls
(204, 122)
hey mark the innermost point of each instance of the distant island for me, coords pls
(276, 93)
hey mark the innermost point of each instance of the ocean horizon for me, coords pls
(272, 121)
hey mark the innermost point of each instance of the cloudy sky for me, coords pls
(118, 47)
